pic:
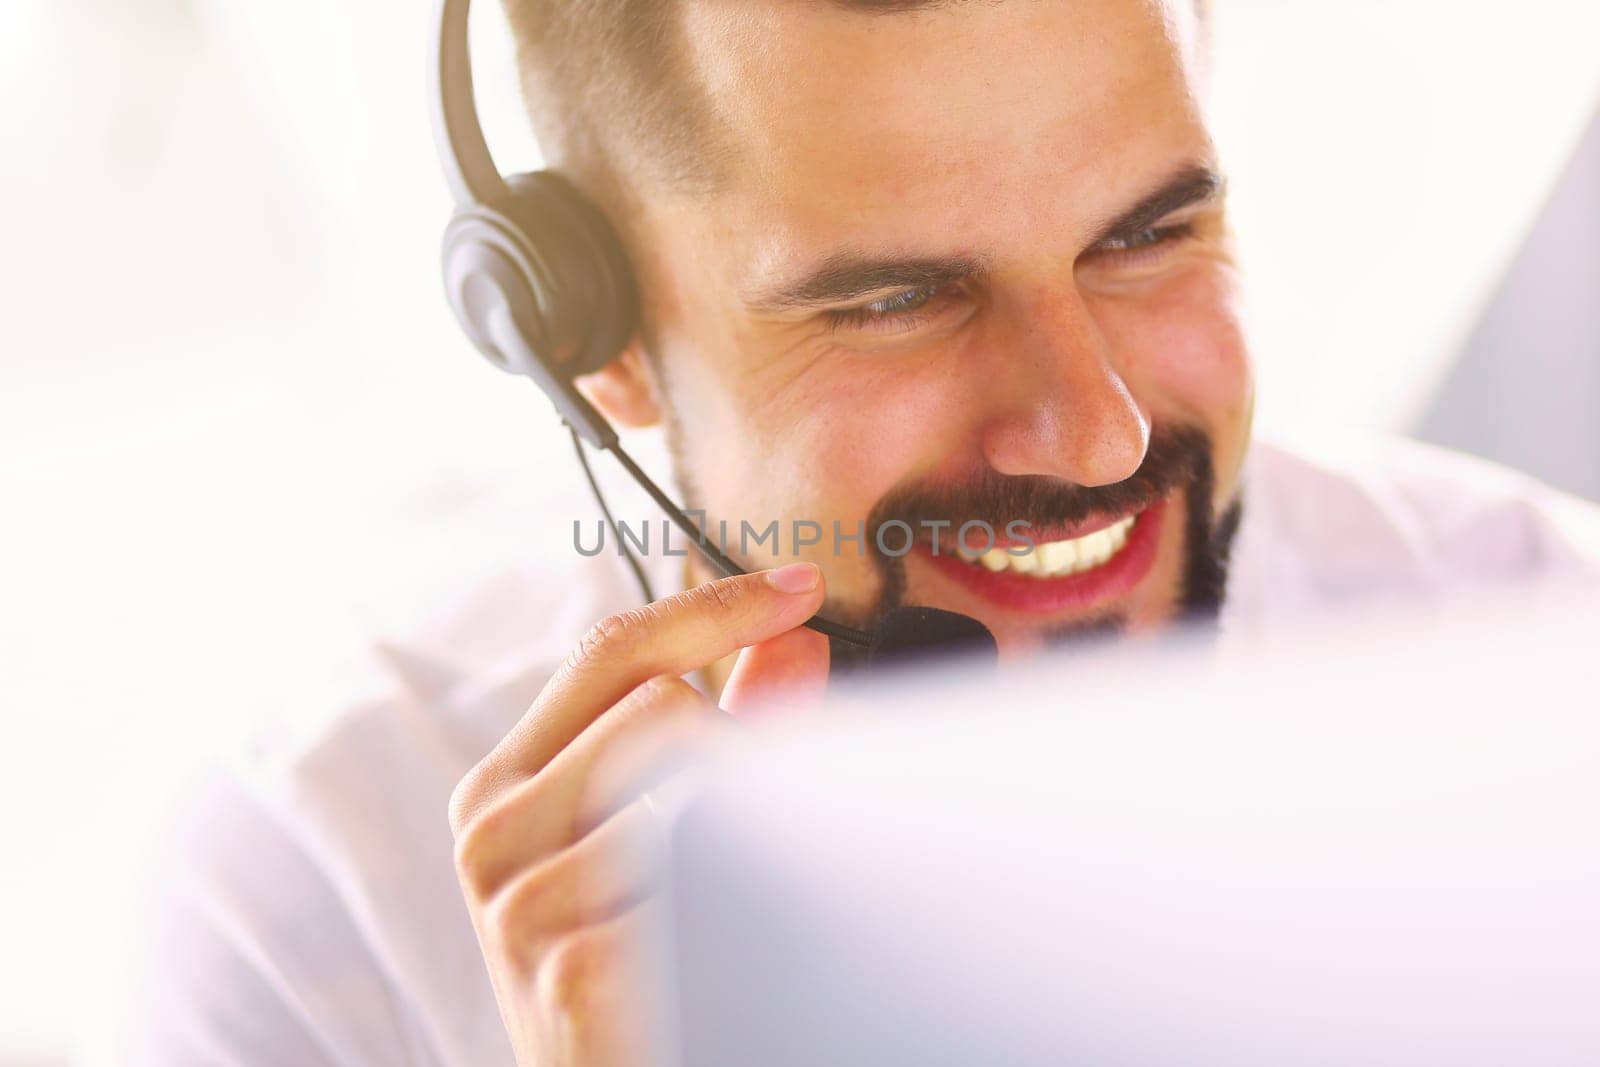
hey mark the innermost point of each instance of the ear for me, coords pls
(625, 390)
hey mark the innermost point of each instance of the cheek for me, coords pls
(1183, 346)
(770, 433)
(855, 424)
(1183, 352)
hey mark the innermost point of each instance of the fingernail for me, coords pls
(794, 578)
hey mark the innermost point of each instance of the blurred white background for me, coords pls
(239, 431)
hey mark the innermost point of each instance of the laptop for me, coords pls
(1355, 846)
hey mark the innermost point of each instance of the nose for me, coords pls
(1063, 409)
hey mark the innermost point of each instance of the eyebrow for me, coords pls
(1189, 186)
(849, 276)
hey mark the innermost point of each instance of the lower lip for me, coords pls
(1021, 592)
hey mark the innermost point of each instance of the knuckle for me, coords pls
(656, 708)
(665, 690)
(624, 632)
(719, 597)
(611, 636)
(465, 799)
(492, 844)
(529, 897)
(519, 915)
(566, 974)
(473, 852)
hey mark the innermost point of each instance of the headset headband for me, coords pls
(463, 153)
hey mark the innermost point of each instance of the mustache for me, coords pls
(1177, 456)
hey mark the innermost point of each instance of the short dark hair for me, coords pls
(605, 84)
(602, 82)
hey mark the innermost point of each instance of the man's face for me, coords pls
(968, 263)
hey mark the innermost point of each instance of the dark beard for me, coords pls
(1177, 459)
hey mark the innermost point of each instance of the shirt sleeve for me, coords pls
(250, 957)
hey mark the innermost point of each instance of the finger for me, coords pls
(538, 817)
(671, 636)
(630, 762)
(787, 673)
(603, 875)
(602, 992)
(684, 633)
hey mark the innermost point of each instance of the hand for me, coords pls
(549, 827)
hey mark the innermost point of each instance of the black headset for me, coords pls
(540, 281)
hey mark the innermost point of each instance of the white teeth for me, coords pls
(1096, 546)
(1057, 556)
(1054, 559)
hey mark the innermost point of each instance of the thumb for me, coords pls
(784, 674)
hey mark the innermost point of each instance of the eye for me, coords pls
(901, 302)
(903, 310)
(1143, 244)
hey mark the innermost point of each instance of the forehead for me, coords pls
(845, 126)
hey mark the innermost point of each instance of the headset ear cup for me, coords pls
(546, 264)
(582, 280)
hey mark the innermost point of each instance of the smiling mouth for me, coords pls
(1077, 569)
(1055, 559)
